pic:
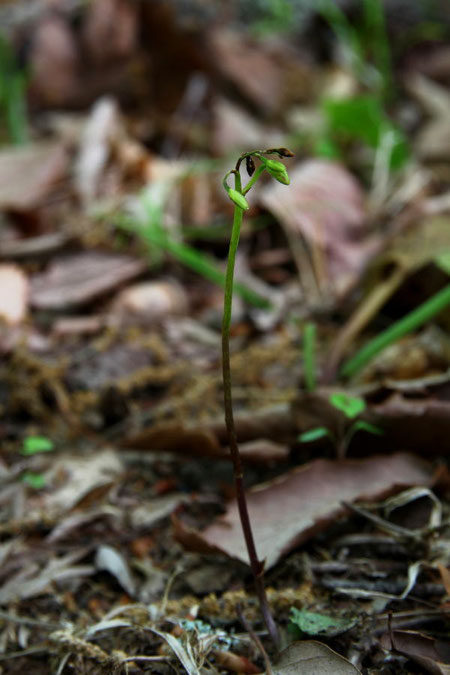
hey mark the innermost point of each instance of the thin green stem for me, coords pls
(406, 325)
(256, 566)
(309, 356)
(253, 179)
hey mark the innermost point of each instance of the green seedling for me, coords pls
(13, 80)
(34, 480)
(304, 622)
(351, 407)
(237, 193)
(33, 445)
(309, 356)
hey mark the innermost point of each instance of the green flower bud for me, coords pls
(238, 199)
(277, 170)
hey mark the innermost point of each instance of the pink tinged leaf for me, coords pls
(77, 279)
(325, 206)
(295, 506)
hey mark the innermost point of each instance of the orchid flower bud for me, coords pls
(238, 199)
(277, 170)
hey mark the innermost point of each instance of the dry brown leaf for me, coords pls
(293, 507)
(13, 294)
(236, 128)
(430, 653)
(28, 174)
(54, 54)
(433, 139)
(150, 302)
(325, 205)
(101, 128)
(77, 279)
(76, 477)
(277, 67)
(110, 30)
(312, 658)
(420, 424)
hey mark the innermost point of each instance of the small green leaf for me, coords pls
(34, 480)
(361, 425)
(313, 623)
(32, 445)
(351, 406)
(238, 199)
(277, 170)
(314, 434)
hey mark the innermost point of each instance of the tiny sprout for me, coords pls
(277, 170)
(250, 165)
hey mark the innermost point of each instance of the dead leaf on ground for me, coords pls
(295, 506)
(28, 174)
(54, 53)
(202, 442)
(150, 302)
(77, 279)
(107, 558)
(76, 477)
(278, 66)
(433, 139)
(420, 424)
(236, 128)
(102, 126)
(325, 206)
(110, 30)
(312, 658)
(13, 294)
(31, 582)
(430, 653)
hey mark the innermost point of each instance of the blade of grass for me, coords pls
(190, 257)
(399, 329)
(309, 356)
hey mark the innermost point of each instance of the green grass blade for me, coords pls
(399, 329)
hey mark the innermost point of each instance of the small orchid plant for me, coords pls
(237, 194)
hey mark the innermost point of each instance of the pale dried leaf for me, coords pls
(101, 128)
(27, 174)
(312, 658)
(14, 288)
(77, 279)
(81, 476)
(150, 302)
(293, 507)
(107, 558)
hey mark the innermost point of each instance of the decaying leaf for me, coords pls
(430, 653)
(293, 507)
(107, 558)
(312, 658)
(13, 294)
(27, 174)
(324, 205)
(81, 476)
(79, 278)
